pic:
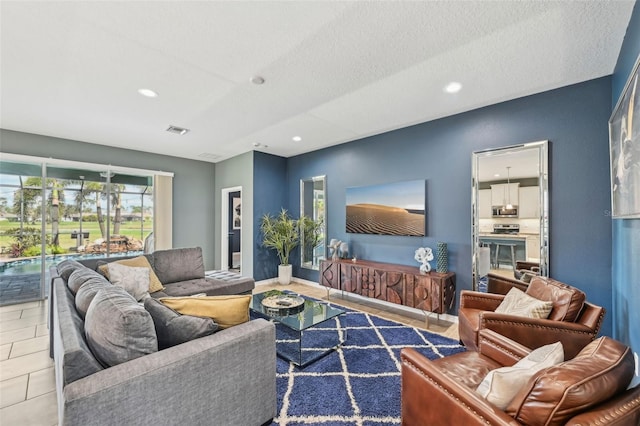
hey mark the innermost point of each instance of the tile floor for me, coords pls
(27, 380)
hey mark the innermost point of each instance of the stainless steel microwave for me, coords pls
(503, 211)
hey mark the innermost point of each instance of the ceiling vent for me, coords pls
(209, 156)
(177, 130)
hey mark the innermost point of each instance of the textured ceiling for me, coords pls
(335, 71)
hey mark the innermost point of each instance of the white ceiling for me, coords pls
(522, 163)
(335, 71)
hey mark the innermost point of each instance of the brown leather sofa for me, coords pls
(572, 320)
(590, 389)
(522, 275)
(499, 284)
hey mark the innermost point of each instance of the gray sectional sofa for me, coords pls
(225, 378)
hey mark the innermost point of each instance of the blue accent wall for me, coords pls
(270, 195)
(626, 232)
(573, 118)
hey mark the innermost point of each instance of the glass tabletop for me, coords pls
(314, 312)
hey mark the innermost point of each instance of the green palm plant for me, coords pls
(280, 233)
(311, 235)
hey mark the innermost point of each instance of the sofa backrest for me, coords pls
(567, 301)
(180, 264)
(94, 262)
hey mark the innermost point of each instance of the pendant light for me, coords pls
(509, 205)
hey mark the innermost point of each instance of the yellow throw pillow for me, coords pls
(226, 311)
(140, 262)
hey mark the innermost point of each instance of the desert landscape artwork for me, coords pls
(387, 209)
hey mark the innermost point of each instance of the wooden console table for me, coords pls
(405, 285)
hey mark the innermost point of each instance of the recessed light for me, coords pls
(148, 93)
(453, 87)
(296, 138)
(496, 175)
(256, 79)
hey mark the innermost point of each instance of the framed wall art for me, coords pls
(387, 209)
(624, 148)
(237, 218)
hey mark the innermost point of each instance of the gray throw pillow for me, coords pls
(66, 268)
(87, 292)
(79, 277)
(117, 328)
(134, 280)
(173, 328)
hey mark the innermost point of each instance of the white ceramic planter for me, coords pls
(284, 274)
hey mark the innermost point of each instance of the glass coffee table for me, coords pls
(306, 329)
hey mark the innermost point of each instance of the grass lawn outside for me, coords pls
(130, 229)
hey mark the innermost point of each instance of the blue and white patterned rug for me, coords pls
(358, 384)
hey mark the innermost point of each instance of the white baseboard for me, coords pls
(364, 299)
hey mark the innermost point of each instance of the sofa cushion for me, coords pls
(87, 292)
(79, 277)
(172, 328)
(190, 287)
(118, 329)
(66, 268)
(225, 282)
(601, 370)
(134, 279)
(176, 265)
(567, 300)
(516, 302)
(502, 384)
(155, 284)
(226, 311)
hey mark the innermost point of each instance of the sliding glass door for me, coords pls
(52, 212)
(21, 236)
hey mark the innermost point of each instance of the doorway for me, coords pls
(231, 244)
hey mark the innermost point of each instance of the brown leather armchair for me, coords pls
(590, 389)
(572, 320)
(501, 284)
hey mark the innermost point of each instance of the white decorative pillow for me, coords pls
(501, 385)
(135, 280)
(517, 302)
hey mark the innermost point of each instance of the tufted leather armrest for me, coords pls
(477, 300)
(500, 348)
(621, 410)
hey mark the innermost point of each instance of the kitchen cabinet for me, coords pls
(533, 248)
(529, 207)
(503, 193)
(484, 203)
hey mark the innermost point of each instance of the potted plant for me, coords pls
(281, 233)
(311, 234)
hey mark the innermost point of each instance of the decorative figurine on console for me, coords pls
(344, 250)
(424, 255)
(334, 246)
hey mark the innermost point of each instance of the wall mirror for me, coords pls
(313, 205)
(510, 200)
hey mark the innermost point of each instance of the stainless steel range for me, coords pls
(506, 228)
